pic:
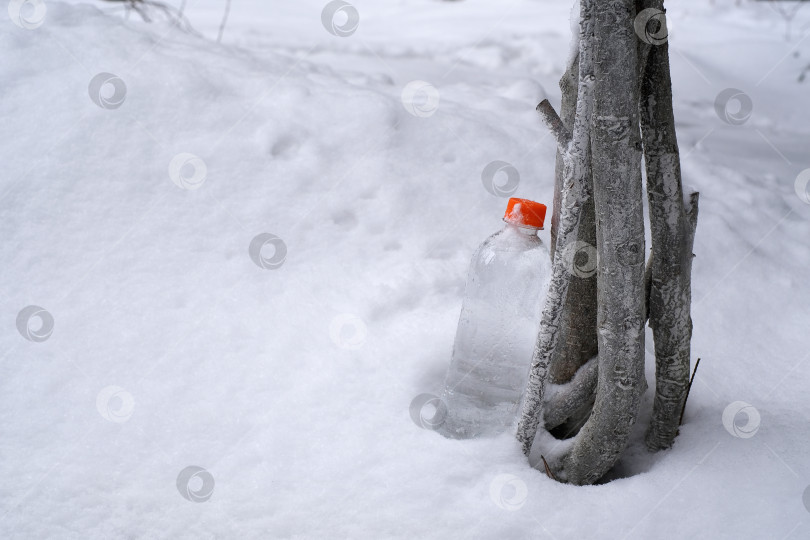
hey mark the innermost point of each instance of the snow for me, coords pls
(286, 378)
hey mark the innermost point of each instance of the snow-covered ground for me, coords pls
(289, 386)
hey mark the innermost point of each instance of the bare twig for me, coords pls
(688, 387)
(548, 469)
(172, 14)
(224, 20)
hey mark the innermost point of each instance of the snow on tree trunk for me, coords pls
(673, 226)
(564, 400)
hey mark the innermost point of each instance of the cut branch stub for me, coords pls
(552, 120)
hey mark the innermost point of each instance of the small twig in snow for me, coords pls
(548, 469)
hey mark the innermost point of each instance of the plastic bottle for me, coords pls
(500, 316)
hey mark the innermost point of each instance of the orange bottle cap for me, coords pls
(525, 213)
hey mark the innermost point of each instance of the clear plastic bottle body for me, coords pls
(496, 333)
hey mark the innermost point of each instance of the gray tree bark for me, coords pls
(622, 85)
(577, 340)
(575, 151)
(564, 400)
(616, 166)
(568, 108)
(673, 223)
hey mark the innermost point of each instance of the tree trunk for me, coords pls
(623, 83)
(568, 109)
(577, 340)
(575, 189)
(617, 190)
(563, 401)
(673, 231)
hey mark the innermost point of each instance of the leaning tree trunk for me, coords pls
(569, 84)
(673, 226)
(577, 340)
(574, 148)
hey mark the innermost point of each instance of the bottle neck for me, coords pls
(522, 229)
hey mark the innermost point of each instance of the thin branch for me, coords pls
(548, 469)
(689, 387)
(224, 20)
